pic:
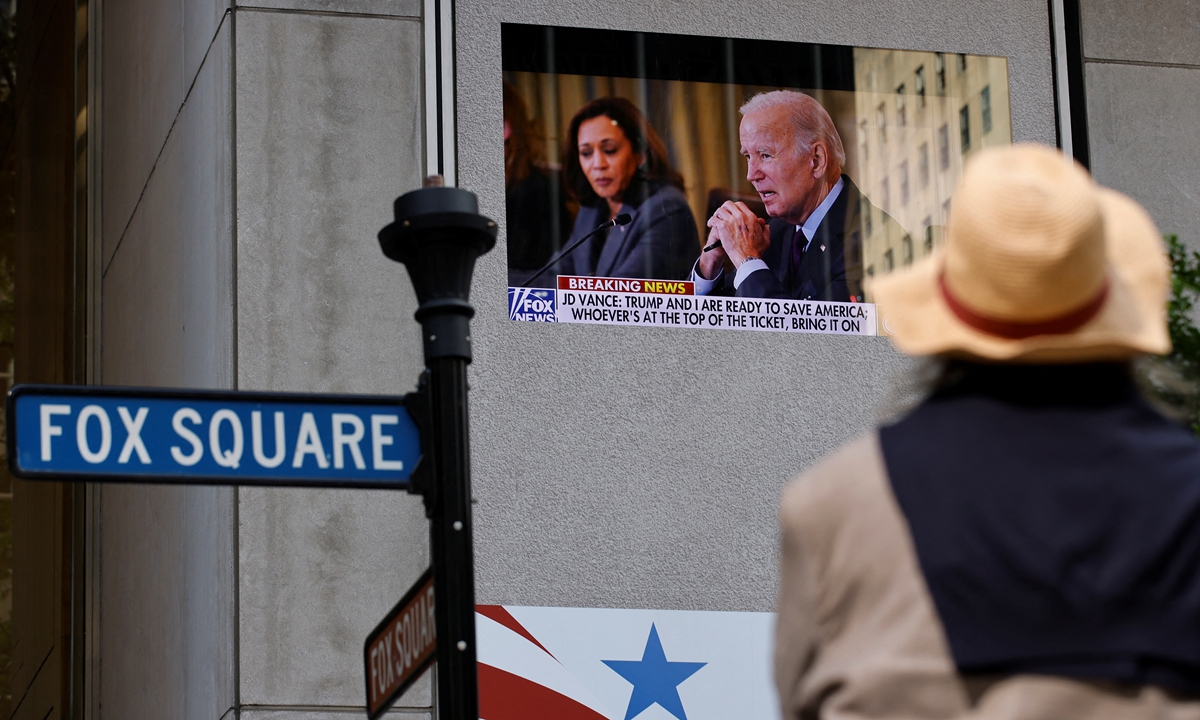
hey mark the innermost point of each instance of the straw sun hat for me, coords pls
(1040, 264)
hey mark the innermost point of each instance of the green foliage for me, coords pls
(1185, 289)
(1174, 380)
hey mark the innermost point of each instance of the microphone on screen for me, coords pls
(622, 219)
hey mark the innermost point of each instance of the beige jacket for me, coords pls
(858, 635)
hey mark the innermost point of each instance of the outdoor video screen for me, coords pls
(699, 182)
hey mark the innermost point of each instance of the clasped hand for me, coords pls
(743, 235)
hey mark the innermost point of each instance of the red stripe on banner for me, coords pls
(504, 696)
(505, 618)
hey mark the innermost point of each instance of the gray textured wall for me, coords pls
(1143, 98)
(628, 467)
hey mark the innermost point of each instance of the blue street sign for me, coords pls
(222, 438)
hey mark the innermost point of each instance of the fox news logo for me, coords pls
(531, 304)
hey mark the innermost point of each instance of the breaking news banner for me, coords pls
(669, 303)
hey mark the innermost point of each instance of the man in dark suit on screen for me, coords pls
(812, 247)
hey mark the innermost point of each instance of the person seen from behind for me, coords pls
(1025, 542)
(538, 220)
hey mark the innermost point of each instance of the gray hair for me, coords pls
(810, 121)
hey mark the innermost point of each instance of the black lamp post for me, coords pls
(438, 234)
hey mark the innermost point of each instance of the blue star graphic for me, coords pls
(654, 679)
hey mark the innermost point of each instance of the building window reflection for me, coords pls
(920, 160)
(985, 108)
(964, 127)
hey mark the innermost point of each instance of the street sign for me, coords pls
(400, 648)
(99, 434)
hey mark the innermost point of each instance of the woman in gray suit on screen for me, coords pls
(614, 163)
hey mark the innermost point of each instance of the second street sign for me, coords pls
(189, 436)
(400, 648)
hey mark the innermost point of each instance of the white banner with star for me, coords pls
(593, 664)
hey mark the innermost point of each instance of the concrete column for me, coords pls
(250, 155)
(165, 576)
(1142, 69)
(328, 134)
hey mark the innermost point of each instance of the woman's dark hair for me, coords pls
(655, 166)
(522, 150)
